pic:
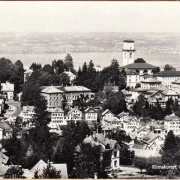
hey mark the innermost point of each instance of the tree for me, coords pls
(47, 68)
(168, 67)
(35, 66)
(14, 172)
(73, 134)
(49, 172)
(15, 149)
(140, 162)
(68, 62)
(87, 161)
(64, 79)
(139, 60)
(58, 66)
(41, 116)
(168, 110)
(169, 148)
(115, 103)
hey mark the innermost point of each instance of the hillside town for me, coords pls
(94, 122)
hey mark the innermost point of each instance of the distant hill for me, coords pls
(52, 43)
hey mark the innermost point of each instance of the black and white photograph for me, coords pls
(89, 90)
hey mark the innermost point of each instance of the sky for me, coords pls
(93, 16)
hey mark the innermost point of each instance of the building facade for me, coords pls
(128, 52)
(167, 77)
(132, 78)
(53, 96)
(90, 115)
(150, 83)
(8, 91)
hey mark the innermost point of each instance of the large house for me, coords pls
(167, 77)
(27, 114)
(8, 91)
(74, 92)
(75, 114)
(57, 118)
(27, 74)
(172, 122)
(56, 94)
(53, 96)
(176, 85)
(150, 83)
(70, 75)
(110, 149)
(132, 78)
(162, 96)
(150, 146)
(143, 69)
(90, 115)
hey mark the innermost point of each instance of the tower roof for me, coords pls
(129, 41)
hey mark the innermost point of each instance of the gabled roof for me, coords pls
(51, 90)
(41, 165)
(90, 109)
(172, 117)
(168, 73)
(74, 89)
(167, 92)
(137, 66)
(123, 114)
(150, 137)
(107, 111)
(74, 110)
(99, 140)
(5, 126)
(128, 40)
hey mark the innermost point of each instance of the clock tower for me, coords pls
(128, 52)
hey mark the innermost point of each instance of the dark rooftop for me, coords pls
(140, 66)
(168, 73)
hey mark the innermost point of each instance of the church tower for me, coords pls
(128, 52)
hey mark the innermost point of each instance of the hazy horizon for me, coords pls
(91, 16)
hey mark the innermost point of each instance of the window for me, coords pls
(115, 154)
(130, 55)
(115, 163)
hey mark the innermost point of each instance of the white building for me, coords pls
(150, 83)
(90, 115)
(27, 114)
(128, 52)
(70, 75)
(75, 114)
(8, 90)
(57, 118)
(131, 124)
(172, 122)
(167, 77)
(110, 149)
(53, 96)
(176, 85)
(162, 96)
(132, 78)
(27, 73)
